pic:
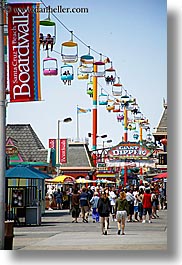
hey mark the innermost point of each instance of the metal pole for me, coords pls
(58, 161)
(77, 122)
(125, 125)
(103, 151)
(94, 125)
(125, 140)
(2, 129)
(94, 119)
(141, 140)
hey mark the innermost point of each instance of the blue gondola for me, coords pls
(67, 73)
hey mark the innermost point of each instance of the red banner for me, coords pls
(63, 151)
(24, 54)
(52, 143)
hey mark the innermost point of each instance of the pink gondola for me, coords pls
(50, 66)
(120, 117)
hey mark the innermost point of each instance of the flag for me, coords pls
(80, 110)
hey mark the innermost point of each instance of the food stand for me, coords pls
(25, 187)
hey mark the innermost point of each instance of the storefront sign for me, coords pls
(101, 164)
(24, 53)
(11, 150)
(129, 150)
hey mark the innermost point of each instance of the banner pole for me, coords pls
(77, 124)
(2, 129)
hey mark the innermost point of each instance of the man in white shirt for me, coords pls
(112, 197)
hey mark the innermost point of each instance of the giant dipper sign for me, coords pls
(128, 150)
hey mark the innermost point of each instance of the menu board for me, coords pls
(18, 197)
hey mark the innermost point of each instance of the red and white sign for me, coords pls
(129, 150)
(52, 143)
(63, 151)
(24, 54)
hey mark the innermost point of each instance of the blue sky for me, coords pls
(133, 34)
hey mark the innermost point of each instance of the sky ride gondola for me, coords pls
(86, 63)
(50, 66)
(110, 105)
(149, 137)
(131, 126)
(110, 75)
(143, 121)
(47, 30)
(103, 98)
(135, 135)
(81, 75)
(135, 108)
(117, 88)
(145, 126)
(120, 117)
(125, 100)
(100, 68)
(69, 51)
(138, 116)
(117, 107)
(67, 73)
(90, 89)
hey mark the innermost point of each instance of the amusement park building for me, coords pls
(160, 136)
(23, 146)
(79, 162)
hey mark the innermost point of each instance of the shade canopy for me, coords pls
(64, 179)
(104, 181)
(83, 181)
(161, 176)
(25, 172)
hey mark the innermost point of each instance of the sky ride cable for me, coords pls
(88, 46)
(73, 33)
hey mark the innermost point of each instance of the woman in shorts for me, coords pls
(121, 211)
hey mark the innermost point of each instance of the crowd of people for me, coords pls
(133, 203)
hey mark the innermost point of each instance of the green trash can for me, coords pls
(8, 237)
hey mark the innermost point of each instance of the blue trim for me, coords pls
(87, 57)
(35, 26)
(66, 77)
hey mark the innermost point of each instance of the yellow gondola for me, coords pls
(131, 126)
(80, 75)
(110, 105)
(69, 51)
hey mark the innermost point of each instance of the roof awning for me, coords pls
(106, 175)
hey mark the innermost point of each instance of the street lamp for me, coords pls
(101, 136)
(107, 141)
(59, 121)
